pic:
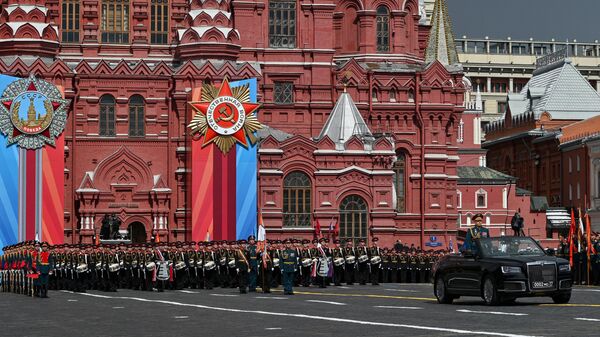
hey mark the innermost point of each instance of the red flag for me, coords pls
(571, 234)
(318, 229)
(336, 231)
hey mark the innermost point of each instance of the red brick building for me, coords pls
(128, 67)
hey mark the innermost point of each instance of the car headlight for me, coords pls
(510, 270)
(565, 268)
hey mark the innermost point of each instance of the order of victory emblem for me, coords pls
(225, 116)
(32, 113)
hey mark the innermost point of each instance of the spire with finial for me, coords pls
(441, 46)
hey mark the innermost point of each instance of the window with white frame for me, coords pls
(488, 219)
(459, 219)
(469, 215)
(505, 198)
(481, 198)
(458, 199)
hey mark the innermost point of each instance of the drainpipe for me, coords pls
(171, 104)
(75, 83)
(422, 169)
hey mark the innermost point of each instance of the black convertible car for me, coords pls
(500, 270)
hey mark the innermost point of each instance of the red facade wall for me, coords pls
(144, 179)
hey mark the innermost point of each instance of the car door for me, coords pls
(471, 273)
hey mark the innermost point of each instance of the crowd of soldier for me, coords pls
(31, 268)
(582, 271)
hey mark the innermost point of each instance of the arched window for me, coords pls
(353, 218)
(282, 23)
(115, 21)
(400, 182)
(107, 115)
(136, 116)
(296, 200)
(383, 29)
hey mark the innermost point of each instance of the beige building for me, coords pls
(503, 66)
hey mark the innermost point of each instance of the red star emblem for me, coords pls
(224, 117)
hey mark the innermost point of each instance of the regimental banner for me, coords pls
(33, 115)
(224, 161)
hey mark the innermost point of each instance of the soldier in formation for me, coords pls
(32, 268)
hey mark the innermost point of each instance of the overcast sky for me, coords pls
(522, 19)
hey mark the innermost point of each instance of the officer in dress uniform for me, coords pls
(289, 259)
(45, 265)
(375, 268)
(231, 264)
(412, 266)
(243, 267)
(253, 259)
(476, 232)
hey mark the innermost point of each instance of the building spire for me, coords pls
(441, 46)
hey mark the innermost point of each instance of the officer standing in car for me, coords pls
(475, 233)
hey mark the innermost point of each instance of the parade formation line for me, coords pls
(312, 317)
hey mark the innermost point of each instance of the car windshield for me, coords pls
(509, 246)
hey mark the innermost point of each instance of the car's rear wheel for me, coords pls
(490, 292)
(441, 292)
(562, 298)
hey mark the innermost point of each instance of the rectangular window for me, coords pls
(115, 21)
(521, 49)
(498, 48)
(159, 22)
(458, 199)
(283, 93)
(282, 24)
(70, 21)
(501, 107)
(476, 47)
(481, 199)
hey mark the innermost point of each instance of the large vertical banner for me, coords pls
(9, 185)
(33, 115)
(224, 161)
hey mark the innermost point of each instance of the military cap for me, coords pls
(315, 241)
(362, 240)
(477, 216)
(336, 241)
(251, 237)
(287, 241)
(375, 239)
(192, 243)
(242, 242)
(305, 241)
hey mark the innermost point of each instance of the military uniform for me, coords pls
(243, 268)
(289, 258)
(338, 270)
(363, 267)
(375, 268)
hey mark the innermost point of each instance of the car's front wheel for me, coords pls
(490, 292)
(562, 298)
(441, 292)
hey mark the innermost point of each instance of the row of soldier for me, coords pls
(204, 265)
(582, 271)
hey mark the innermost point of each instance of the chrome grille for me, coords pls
(542, 275)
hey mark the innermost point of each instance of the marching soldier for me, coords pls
(363, 264)
(289, 258)
(306, 264)
(350, 258)
(412, 266)
(375, 253)
(338, 263)
(266, 269)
